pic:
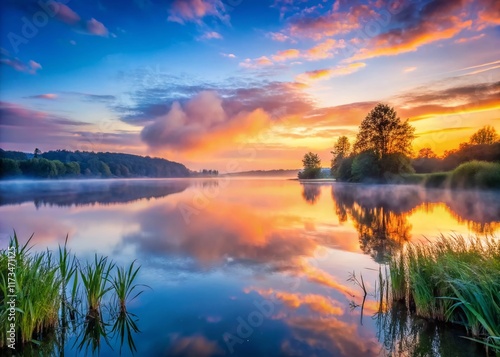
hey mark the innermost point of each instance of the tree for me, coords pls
(312, 166)
(36, 153)
(426, 153)
(383, 132)
(365, 166)
(485, 135)
(9, 168)
(340, 152)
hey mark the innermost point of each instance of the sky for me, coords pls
(239, 85)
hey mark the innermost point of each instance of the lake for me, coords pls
(253, 267)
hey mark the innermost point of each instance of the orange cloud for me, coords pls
(286, 55)
(319, 276)
(256, 63)
(409, 69)
(489, 13)
(321, 74)
(202, 124)
(396, 42)
(317, 303)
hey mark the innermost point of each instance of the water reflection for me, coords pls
(311, 192)
(246, 241)
(381, 214)
(403, 334)
(91, 192)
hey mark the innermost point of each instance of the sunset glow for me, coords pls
(252, 83)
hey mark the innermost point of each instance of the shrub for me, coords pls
(437, 180)
(476, 174)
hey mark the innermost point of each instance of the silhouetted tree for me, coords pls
(36, 153)
(340, 152)
(383, 132)
(426, 153)
(312, 166)
(485, 135)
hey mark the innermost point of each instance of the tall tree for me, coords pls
(340, 152)
(36, 153)
(485, 135)
(383, 132)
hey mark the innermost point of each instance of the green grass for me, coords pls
(476, 174)
(48, 288)
(96, 283)
(453, 279)
(470, 175)
(37, 298)
(124, 286)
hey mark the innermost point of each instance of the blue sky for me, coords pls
(202, 81)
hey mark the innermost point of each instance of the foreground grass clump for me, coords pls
(37, 285)
(52, 290)
(453, 279)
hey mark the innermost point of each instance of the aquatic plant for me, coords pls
(453, 279)
(123, 285)
(47, 290)
(96, 279)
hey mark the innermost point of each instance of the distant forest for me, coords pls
(69, 164)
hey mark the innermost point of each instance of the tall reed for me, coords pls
(453, 279)
(47, 289)
(96, 283)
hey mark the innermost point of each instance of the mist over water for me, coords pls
(213, 250)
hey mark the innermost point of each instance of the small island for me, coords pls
(383, 153)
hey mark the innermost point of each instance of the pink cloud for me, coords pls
(50, 96)
(194, 10)
(95, 27)
(256, 63)
(469, 39)
(212, 35)
(31, 67)
(66, 15)
(278, 36)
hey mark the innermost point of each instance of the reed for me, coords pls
(47, 290)
(37, 297)
(96, 283)
(124, 285)
(453, 279)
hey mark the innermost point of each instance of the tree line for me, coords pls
(69, 164)
(383, 150)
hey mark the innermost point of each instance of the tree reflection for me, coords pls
(378, 217)
(381, 231)
(380, 213)
(83, 193)
(311, 193)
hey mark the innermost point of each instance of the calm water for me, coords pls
(253, 267)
